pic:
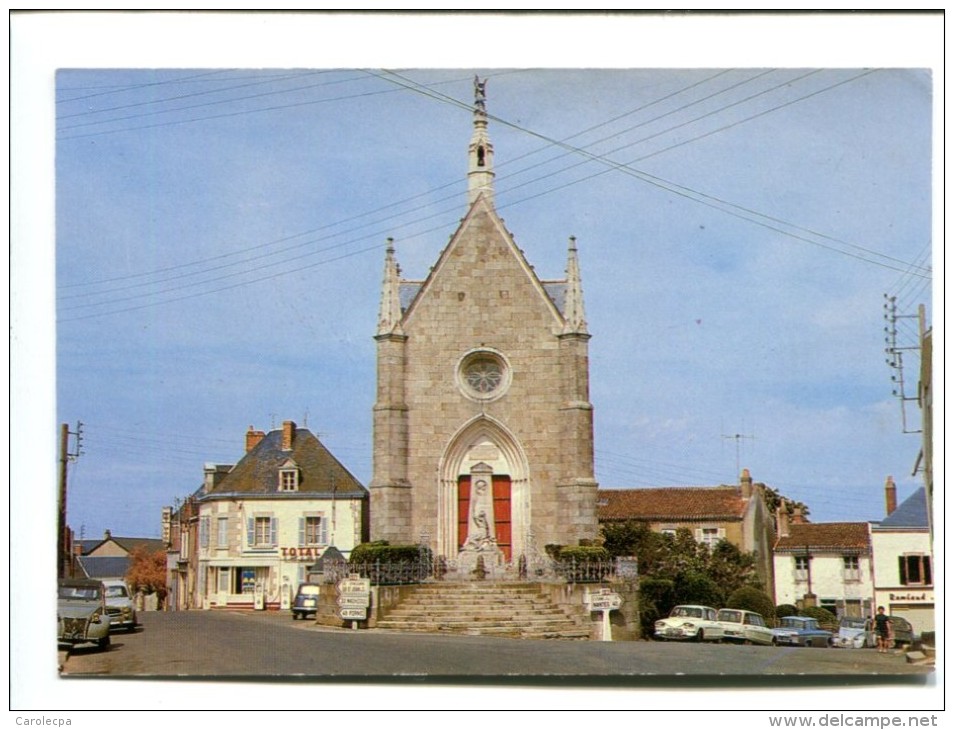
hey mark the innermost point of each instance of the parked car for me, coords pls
(81, 613)
(744, 627)
(695, 623)
(306, 600)
(119, 606)
(903, 631)
(854, 632)
(801, 631)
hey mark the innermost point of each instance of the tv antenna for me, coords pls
(737, 437)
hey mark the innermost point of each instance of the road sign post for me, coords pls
(603, 600)
(354, 599)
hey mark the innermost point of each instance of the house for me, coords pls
(246, 538)
(110, 557)
(902, 553)
(825, 564)
(735, 513)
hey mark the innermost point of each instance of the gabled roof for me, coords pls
(321, 475)
(671, 504)
(107, 567)
(834, 536)
(129, 544)
(910, 514)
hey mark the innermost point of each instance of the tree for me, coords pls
(147, 572)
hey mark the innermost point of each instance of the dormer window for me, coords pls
(288, 477)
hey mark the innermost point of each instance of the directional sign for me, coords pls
(606, 603)
(359, 614)
(356, 600)
(354, 586)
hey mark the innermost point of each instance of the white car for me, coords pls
(693, 623)
(119, 606)
(745, 627)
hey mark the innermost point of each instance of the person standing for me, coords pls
(882, 626)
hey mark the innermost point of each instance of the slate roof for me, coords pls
(106, 567)
(321, 475)
(129, 544)
(834, 536)
(673, 504)
(910, 514)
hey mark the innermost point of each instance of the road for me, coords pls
(248, 644)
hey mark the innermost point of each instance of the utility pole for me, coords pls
(64, 560)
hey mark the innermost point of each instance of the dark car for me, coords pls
(306, 601)
(903, 631)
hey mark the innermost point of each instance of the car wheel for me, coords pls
(701, 636)
(103, 643)
(774, 641)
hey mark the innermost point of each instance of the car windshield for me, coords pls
(734, 617)
(687, 611)
(308, 590)
(116, 592)
(792, 623)
(81, 593)
(852, 623)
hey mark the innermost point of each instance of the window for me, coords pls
(710, 535)
(914, 569)
(222, 533)
(262, 531)
(851, 568)
(801, 568)
(204, 532)
(288, 480)
(312, 530)
(184, 546)
(668, 531)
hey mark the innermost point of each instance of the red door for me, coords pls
(501, 485)
(502, 513)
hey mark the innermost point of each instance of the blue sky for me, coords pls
(220, 241)
(200, 208)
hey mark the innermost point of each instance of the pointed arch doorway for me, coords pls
(483, 449)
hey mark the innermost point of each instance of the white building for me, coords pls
(264, 521)
(825, 564)
(903, 568)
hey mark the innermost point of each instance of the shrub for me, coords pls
(697, 588)
(381, 551)
(656, 599)
(785, 609)
(584, 552)
(752, 599)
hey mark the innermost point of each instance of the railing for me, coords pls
(585, 571)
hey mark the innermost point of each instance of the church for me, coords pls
(483, 426)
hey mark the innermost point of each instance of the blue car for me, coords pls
(801, 631)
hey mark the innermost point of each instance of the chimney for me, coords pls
(288, 435)
(890, 495)
(746, 482)
(798, 515)
(107, 535)
(253, 438)
(781, 519)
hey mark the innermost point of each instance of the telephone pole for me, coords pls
(64, 561)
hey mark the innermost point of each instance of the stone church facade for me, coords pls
(483, 427)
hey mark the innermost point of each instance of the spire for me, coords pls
(480, 154)
(573, 308)
(389, 315)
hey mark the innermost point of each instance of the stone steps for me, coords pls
(510, 610)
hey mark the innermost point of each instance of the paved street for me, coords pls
(235, 644)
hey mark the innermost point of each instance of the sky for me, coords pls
(218, 215)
